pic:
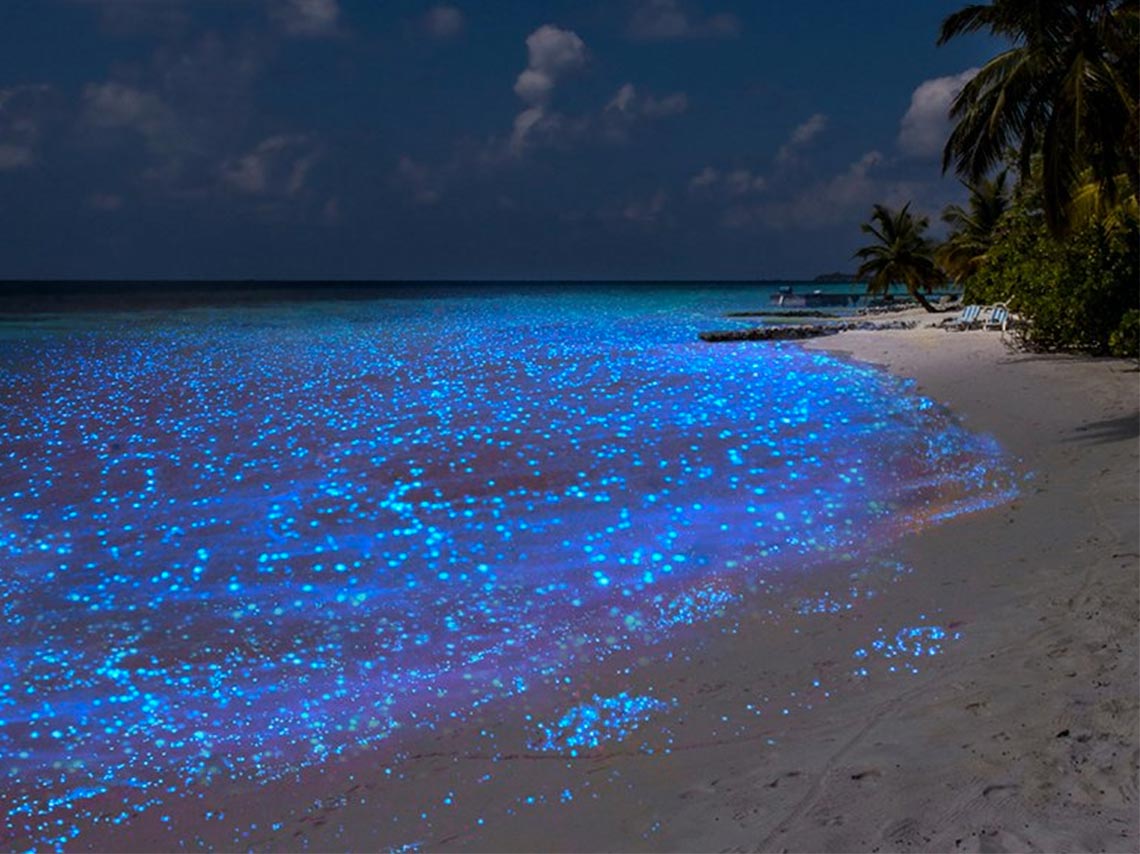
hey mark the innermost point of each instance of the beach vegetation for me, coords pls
(1046, 141)
(1074, 293)
(1065, 90)
(901, 252)
(1125, 339)
(973, 228)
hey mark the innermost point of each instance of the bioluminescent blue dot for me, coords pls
(590, 725)
(240, 543)
(908, 645)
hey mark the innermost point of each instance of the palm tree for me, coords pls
(972, 229)
(1067, 88)
(1091, 203)
(900, 254)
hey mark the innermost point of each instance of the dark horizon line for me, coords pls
(4, 283)
(38, 296)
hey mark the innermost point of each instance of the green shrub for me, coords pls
(1075, 292)
(1125, 340)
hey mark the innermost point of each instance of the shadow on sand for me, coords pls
(1127, 427)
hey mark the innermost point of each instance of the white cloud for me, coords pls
(926, 125)
(444, 22)
(808, 130)
(115, 105)
(738, 182)
(552, 54)
(623, 99)
(626, 101)
(308, 18)
(854, 184)
(172, 145)
(278, 166)
(668, 20)
(801, 136)
(832, 201)
(627, 108)
(555, 51)
(534, 87)
(539, 126)
(526, 124)
(707, 177)
(186, 133)
(192, 118)
(845, 197)
(645, 211)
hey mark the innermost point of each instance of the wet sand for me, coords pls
(1021, 735)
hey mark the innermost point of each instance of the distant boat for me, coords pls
(785, 297)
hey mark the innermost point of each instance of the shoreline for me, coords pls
(1034, 744)
(1015, 729)
(1022, 736)
(1029, 740)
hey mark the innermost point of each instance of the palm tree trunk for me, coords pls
(923, 301)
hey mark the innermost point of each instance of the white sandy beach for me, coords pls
(1027, 740)
(1030, 741)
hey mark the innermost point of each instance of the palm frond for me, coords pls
(901, 252)
(1067, 88)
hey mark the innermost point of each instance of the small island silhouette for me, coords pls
(836, 278)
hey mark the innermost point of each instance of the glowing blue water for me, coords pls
(236, 543)
(589, 725)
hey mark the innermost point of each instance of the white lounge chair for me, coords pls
(967, 318)
(997, 318)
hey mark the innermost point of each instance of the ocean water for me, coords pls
(241, 542)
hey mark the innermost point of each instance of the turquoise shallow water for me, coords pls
(242, 542)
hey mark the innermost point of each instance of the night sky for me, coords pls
(647, 139)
